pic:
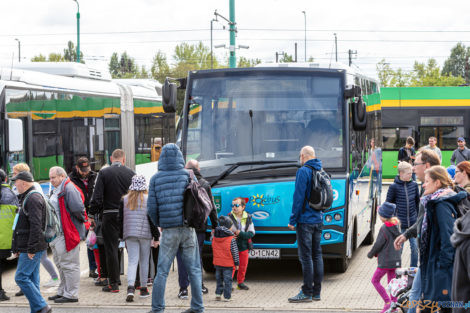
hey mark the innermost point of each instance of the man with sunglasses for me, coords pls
(308, 223)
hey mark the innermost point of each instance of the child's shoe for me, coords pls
(386, 307)
(242, 286)
(144, 293)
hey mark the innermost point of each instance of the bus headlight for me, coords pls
(337, 217)
(328, 218)
(327, 236)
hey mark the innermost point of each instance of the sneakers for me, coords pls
(144, 293)
(386, 307)
(3, 296)
(183, 294)
(242, 286)
(19, 293)
(93, 274)
(111, 288)
(204, 289)
(101, 282)
(227, 299)
(130, 293)
(52, 283)
(218, 297)
(316, 298)
(300, 297)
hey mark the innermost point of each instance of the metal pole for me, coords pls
(305, 24)
(336, 47)
(295, 52)
(277, 57)
(232, 59)
(212, 58)
(350, 56)
(19, 50)
(78, 31)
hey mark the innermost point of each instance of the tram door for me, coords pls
(112, 135)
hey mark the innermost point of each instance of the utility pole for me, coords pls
(351, 53)
(78, 31)
(305, 34)
(336, 47)
(295, 45)
(212, 55)
(19, 50)
(278, 54)
(233, 58)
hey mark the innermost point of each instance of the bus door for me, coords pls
(112, 134)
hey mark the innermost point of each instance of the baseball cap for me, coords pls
(25, 176)
(83, 164)
(460, 139)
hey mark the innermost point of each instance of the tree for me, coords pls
(56, 57)
(124, 67)
(38, 58)
(114, 65)
(70, 53)
(160, 68)
(245, 62)
(429, 74)
(458, 62)
(286, 58)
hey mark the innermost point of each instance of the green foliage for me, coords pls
(56, 57)
(38, 58)
(70, 55)
(160, 68)
(286, 58)
(125, 67)
(245, 62)
(457, 64)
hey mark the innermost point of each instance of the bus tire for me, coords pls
(340, 265)
(371, 235)
(207, 265)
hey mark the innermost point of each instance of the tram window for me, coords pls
(395, 138)
(446, 136)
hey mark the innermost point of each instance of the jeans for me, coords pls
(379, 273)
(223, 275)
(111, 243)
(415, 292)
(138, 253)
(172, 240)
(310, 257)
(68, 264)
(183, 278)
(27, 278)
(414, 250)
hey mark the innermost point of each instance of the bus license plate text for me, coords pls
(264, 254)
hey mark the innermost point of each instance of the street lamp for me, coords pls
(305, 31)
(19, 50)
(78, 31)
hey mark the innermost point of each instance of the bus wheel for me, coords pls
(208, 265)
(340, 265)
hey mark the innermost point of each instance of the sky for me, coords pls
(398, 31)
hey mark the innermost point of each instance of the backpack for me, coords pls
(197, 204)
(321, 194)
(52, 225)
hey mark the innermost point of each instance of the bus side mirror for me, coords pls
(352, 91)
(15, 135)
(169, 96)
(359, 115)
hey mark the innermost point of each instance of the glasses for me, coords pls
(236, 205)
(416, 164)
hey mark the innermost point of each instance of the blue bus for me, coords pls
(246, 127)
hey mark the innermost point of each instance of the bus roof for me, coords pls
(68, 69)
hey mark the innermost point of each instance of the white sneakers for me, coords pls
(52, 283)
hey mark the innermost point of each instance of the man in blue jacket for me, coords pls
(165, 208)
(308, 223)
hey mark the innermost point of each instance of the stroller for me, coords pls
(400, 287)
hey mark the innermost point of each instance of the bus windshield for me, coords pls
(264, 115)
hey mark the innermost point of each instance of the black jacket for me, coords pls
(461, 274)
(403, 156)
(111, 184)
(213, 214)
(406, 197)
(28, 236)
(88, 190)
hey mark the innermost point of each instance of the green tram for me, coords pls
(81, 112)
(422, 112)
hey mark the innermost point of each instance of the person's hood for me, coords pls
(171, 158)
(222, 231)
(461, 230)
(315, 163)
(394, 229)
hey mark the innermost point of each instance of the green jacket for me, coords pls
(8, 208)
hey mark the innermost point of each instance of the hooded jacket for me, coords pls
(387, 256)
(461, 275)
(8, 207)
(405, 195)
(437, 257)
(167, 186)
(303, 187)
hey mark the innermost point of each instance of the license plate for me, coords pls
(264, 254)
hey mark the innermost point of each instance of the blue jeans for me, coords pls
(310, 256)
(172, 240)
(223, 275)
(27, 278)
(415, 292)
(183, 278)
(414, 250)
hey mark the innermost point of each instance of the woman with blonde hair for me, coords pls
(436, 250)
(138, 234)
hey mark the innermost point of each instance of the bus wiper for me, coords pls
(272, 167)
(234, 166)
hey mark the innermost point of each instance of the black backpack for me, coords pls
(197, 204)
(321, 194)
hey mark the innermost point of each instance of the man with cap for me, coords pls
(460, 154)
(28, 240)
(84, 178)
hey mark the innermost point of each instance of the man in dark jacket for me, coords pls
(183, 278)
(67, 198)
(28, 241)
(165, 208)
(308, 223)
(112, 183)
(84, 178)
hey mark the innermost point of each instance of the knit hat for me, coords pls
(225, 221)
(138, 183)
(387, 210)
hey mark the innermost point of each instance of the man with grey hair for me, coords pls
(308, 224)
(68, 204)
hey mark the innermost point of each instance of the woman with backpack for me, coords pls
(136, 231)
